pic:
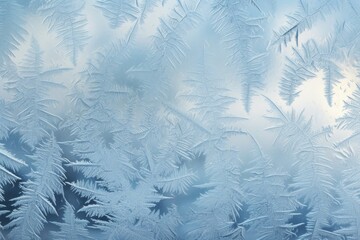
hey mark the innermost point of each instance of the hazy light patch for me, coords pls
(312, 100)
(344, 89)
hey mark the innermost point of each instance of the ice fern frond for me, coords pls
(2, 237)
(8, 165)
(66, 19)
(308, 13)
(100, 79)
(243, 34)
(347, 215)
(114, 161)
(127, 210)
(169, 44)
(87, 189)
(7, 121)
(169, 48)
(298, 69)
(38, 193)
(178, 182)
(145, 7)
(185, 117)
(304, 65)
(312, 160)
(271, 205)
(351, 116)
(207, 94)
(71, 227)
(117, 11)
(329, 58)
(152, 227)
(31, 102)
(12, 31)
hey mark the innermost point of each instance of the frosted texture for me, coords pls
(179, 119)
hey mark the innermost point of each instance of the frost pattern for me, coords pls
(179, 119)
